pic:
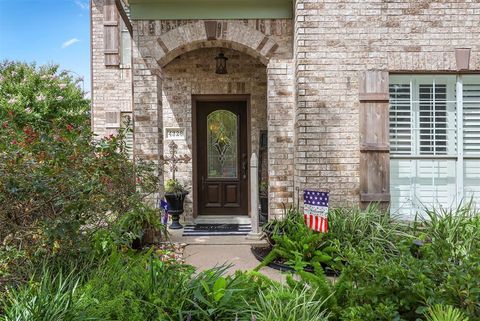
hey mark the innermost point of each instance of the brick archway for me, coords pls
(155, 48)
(207, 34)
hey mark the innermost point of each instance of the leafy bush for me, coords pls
(376, 285)
(54, 297)
(299, 246)
(288, 304)
(369, 229)
(58, 183)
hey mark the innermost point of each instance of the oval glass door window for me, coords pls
(222, 142)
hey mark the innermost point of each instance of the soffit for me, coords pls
(210, 9)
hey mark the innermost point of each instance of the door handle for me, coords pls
(203, 183)
(244, 166)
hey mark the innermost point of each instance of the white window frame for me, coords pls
(454, 145)
(125, 34)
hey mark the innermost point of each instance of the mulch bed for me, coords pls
(279, 264)
(170, 252)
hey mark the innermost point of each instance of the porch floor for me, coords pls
(176, 237)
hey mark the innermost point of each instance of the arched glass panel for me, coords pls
(222, 137)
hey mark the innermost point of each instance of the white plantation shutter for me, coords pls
(400, 119)
(417, 184)
(428, 169)
(435, 183)
(471, 138)
(471, 118)
(471, 180)
(433, 119)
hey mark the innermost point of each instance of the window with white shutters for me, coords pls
(434, 141)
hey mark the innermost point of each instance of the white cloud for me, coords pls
(69, 42)
(82, 4)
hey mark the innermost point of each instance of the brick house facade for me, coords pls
(318, 81)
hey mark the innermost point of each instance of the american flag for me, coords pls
(315, 210)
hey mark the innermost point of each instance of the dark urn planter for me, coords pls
(175, 208)
(263, 209)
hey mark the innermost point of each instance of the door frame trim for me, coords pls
(216, 98)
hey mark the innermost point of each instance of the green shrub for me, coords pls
(59, 183)
(435, 261)
(55, 297)
(288, 304)
(455, 233)
(368, 229)
(299, 246)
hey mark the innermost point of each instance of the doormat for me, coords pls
(216, 229)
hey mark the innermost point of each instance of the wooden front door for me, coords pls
(222, 161)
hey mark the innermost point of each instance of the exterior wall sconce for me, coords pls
(221, 64)
(462, 57)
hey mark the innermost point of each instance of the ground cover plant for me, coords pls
(398, 271)
(138, 286)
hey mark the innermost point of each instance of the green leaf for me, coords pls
(219, 288)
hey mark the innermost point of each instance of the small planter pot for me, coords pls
(150, 236)
(175, 208)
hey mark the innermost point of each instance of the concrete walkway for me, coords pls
(240, 256)
(206, 252)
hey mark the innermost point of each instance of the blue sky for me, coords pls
(47, 31)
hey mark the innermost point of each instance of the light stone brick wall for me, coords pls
(281, 117)
(252, 44)
(334, 41)
(111, 86)
(193, 73)
(311, 87)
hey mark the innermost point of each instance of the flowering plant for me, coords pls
(58, 182)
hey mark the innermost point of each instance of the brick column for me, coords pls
(327, 130)
(280, 114)
(147, 106)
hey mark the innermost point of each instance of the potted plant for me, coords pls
(263, 191)
(175, 194)
(141, 226)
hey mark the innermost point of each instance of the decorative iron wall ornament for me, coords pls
(173, 160)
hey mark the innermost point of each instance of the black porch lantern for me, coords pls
(221, 64)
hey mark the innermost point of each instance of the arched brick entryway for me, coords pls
(156, 48)
(230, 34)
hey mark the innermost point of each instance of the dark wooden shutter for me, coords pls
(111, 37)
(374, 137)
